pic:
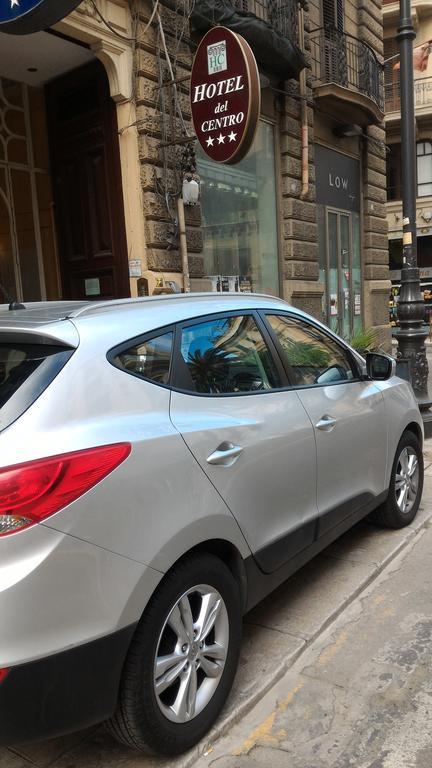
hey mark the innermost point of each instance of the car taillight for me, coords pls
(3, 674)
(31, 492)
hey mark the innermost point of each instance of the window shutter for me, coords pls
(333, 14)
(391, 76)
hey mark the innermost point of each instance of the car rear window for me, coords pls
(25, 372)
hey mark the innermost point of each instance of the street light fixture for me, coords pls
(411, 334)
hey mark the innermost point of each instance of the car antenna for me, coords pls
(13, 303)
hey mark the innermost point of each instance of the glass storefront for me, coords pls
(239, 219)
(338, 218)
(340, 270)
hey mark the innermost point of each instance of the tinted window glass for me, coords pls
(18, 363)
(312, 357)
(150, 359)
(25, 371)
(227, 355)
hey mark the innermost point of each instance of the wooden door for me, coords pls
(87, 186)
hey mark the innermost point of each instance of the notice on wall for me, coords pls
(357, 304)
(92, 286)
(135, 268)
(333, 304)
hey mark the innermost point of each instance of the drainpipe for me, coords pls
(304, 115)
(183, 244)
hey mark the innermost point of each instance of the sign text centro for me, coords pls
(22, 17)
(225, 95)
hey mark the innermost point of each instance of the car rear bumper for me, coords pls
(63, 692)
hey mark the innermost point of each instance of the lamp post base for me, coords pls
(411, 336)
(412, 364)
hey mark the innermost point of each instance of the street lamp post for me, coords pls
(411, 334)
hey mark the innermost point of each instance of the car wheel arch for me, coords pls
(415, 429)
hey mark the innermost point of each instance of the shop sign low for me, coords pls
(23, 17)
(225, 95)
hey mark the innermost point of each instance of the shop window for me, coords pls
(239, 219)
(424, 168)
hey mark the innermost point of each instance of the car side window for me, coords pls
(313, 357)
(227, 355)
(148, 359)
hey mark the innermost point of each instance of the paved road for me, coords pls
(360, 696)
(288, 629)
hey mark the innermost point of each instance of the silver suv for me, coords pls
(164, 464)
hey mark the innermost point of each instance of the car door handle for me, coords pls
(326, 424)
(225, 454)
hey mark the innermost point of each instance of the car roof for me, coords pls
(42, 312)
(48, 317)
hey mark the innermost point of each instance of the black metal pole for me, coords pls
(411, 333)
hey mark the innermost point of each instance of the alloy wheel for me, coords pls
(191, 653)
(406, 480)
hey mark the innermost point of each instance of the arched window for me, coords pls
(424, 168)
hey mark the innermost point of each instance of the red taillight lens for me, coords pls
(3, 674)
(31, 492)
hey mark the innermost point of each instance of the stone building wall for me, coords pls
(158, 164)
(375, 243)
(300, 270)
(298, 235)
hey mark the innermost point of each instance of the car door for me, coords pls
(252, 437)
(347, 413)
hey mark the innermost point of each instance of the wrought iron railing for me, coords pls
(281, 14)
(422, 94)
(344, 60)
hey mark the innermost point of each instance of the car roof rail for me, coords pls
(94, 306)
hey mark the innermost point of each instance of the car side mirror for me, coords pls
(380, 367)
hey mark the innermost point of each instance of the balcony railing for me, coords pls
(343, 60)
(281, 14)
(422, 94)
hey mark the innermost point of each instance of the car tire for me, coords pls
(406, 485)
(195, 618)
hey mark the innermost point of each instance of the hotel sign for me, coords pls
(22, 17)
(225, 95)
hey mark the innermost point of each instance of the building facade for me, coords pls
(70, 191)
(422, 19)
(97, 140)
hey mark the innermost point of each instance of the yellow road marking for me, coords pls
(263, 732)
(332, 649)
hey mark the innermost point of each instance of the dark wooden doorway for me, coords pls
(86, 174)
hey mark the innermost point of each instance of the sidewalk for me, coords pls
(276, 634)
(360, 695)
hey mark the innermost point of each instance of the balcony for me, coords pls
(422, 98)
(269, 26)
(347, 77)
(281, 14)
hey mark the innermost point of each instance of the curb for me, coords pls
(244, 707)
